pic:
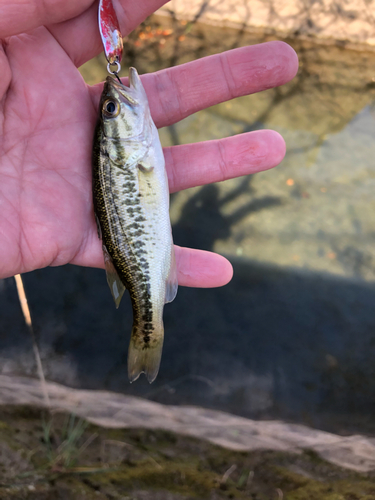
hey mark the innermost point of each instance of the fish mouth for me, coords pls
(133, 77)
(115, 88)
(111, 81)
(132, 94)
(116, 82)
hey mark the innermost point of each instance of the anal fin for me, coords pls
(115, 284)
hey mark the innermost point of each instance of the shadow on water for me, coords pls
(276, 342)
(273, 343)
(202, 221)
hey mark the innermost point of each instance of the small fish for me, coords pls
(131, 202)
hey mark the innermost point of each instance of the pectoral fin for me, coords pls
(115, 284)
(172, 280)
(145, 167)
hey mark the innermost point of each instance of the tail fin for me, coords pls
(144, 358)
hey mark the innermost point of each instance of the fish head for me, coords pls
(124, 109)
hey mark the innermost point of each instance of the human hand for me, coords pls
(47, 117)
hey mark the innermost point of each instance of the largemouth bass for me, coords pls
(131, 202)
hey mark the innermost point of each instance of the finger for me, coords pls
(74, 23)
(213, 161)
(80, 36)
(201, 269)
(4, 72)
(177, 92)
(19, 16)
(195, 268)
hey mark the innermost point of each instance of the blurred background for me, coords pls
(292, 336)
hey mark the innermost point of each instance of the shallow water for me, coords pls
(293, 335)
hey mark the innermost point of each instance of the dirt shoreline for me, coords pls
(113, 410)
(49, 456)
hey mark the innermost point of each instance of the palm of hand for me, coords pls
(47, 116)
(46, 215)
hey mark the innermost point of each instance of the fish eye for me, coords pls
(111, 108)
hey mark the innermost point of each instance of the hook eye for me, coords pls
(111, 108)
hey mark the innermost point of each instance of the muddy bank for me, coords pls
(49, 457)
(232, 432)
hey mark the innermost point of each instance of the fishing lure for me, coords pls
(131, 203)
(110, 34)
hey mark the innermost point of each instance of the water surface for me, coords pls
(293, 335)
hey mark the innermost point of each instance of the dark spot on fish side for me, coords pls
(139, 244)
(147, 317)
